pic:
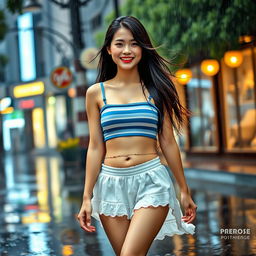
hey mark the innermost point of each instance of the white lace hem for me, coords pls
(173, 224)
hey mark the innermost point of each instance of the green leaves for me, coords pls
(3, 26)
(14, 5)
(208, 27)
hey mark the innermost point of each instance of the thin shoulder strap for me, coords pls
(103, 92)
(150, 97)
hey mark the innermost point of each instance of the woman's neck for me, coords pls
(127, 76)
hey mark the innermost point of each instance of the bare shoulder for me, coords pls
(93, 94)
(93, 90)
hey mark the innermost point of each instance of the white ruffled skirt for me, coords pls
(120, 191)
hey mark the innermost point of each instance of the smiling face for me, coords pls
(125, 51)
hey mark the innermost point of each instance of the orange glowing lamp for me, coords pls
(233, 59)
(183, 76)
(210, 67)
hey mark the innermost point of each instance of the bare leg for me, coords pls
(116, 229)
(144, 226)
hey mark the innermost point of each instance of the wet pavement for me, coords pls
(40, 196)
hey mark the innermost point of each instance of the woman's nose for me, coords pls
(127, 49)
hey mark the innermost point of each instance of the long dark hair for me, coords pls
(153, 70)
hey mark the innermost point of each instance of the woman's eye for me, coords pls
(118, 44)
(135, 44)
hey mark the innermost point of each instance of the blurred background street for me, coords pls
(46, 67)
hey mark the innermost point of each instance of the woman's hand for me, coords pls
(189, 207)
(84, 216)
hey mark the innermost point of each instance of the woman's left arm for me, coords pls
(171, 153)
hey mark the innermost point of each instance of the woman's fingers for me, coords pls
(190, 218)
(190, 215)
(88, 223)
(85, 222)
(81, 218)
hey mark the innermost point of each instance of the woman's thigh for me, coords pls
(116, 229)
(144, 226)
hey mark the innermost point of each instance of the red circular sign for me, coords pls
(61, 77)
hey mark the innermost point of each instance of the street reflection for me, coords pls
(40, 197)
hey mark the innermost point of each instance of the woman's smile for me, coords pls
(127, 59)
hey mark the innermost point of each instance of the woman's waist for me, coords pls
(124, 152)
(129, 159)
(131, 169)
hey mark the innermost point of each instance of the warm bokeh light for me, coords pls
(38, 127)
(30, 89)
(210, 67)
(246, 39)
(233, 59)
(67, 250)
(72, 92)
(51, 126)
(183, 76)
(56, 188)
(36, 217)
(8, 110)
(42, 183)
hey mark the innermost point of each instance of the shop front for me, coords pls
(223, 106)
(37, 119)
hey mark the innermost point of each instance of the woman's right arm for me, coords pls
(96, 148)
(95, 155)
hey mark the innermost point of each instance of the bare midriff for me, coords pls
(128, 151)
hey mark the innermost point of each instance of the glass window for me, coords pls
(200, 95)
(239, 104)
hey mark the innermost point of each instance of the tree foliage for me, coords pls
(14, 5)
(195, 27)
(3, 26)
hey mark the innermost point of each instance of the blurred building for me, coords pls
(224, 108)
(40, 113)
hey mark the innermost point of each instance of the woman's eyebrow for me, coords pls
(121, 40)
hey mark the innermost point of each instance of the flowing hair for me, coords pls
(153, 71)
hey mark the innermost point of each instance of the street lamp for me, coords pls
(233, 59)
(183, 76)
(210, 67)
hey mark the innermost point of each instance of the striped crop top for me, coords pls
(131, 119)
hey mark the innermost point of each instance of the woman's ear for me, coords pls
(108, 49)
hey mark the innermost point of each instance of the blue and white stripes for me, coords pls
(132, 119)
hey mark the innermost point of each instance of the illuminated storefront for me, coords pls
(223, 108)
(36, 119)
(24, 126)
(240, 104)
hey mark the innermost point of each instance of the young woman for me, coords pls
(134, 104)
